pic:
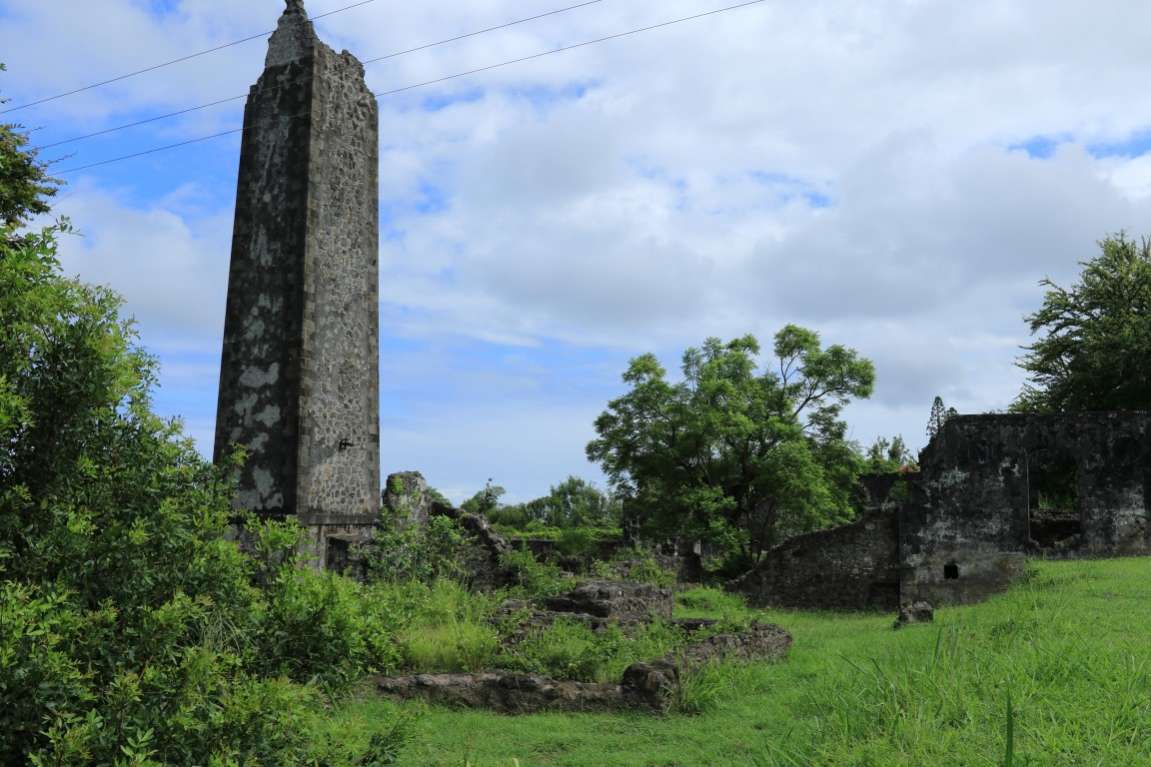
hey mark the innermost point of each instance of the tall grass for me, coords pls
(445, 627)
(1069, 646)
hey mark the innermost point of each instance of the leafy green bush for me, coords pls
(635, 565)
(321, 627)
(576, 542)
(533, 578)
(133, 631)
(437, 550)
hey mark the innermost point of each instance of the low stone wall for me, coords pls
(595, 605)
(853, 567)
(622, 601)
(503, 692)
(761, 641)
(646, 687)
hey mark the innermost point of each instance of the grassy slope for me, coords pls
(1072, 645)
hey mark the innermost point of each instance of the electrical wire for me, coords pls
(568, 48)
(180, 60)
(230, 99)
(434, 82)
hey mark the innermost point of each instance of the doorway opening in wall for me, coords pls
(950, 571)
(1054, 516)
(338, 555)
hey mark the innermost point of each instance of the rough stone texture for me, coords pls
(475, 525)
(621, 601)
(490, 571)
(992, 489)
(299, 382)
(853, 567)
(596, 606)
(968, 527)
(761, 641)
(406, 495)
(519, 619)
(916, 612)
(877, 491)
(645, 686)
(650, 685)
(504, 692)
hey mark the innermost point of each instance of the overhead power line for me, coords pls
(230, 99)
(182, 59)
(434, 82)
(568, 48)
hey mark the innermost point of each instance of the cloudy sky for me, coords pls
(896, 174)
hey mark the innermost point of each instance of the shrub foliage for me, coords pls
(133, 631)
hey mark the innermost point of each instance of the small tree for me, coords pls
(486, 501)
(888, 456)
(732, 456)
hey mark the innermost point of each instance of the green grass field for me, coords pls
(1070, 649)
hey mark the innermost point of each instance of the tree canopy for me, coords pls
(572, 503)
(730, 455)
(1095, 336)
(886, 456)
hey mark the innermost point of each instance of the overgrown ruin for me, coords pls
(991, 490)
(299, 376)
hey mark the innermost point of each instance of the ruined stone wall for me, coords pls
(299, 383)
(258, 406)
(339, 448)
(853, 567)
(969, 525)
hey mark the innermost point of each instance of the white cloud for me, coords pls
(168, 260)
(839, 164)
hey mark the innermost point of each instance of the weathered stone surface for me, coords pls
(529, 619)
(406, 495)
(645, 686)
(978, 509)
(622, 601)
(490, 571)
(299, 385)
(916, 612)
(761, 641)
(992, 489)
(650, 685)
(596, 605)
(853, 567)
(475, 525)
(504, 692)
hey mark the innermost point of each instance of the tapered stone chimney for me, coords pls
(299, 376)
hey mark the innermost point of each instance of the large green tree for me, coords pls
(734, 456)
(1094, 336)
(132, 629)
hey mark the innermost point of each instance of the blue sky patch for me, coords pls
(1135, 145)
(1040, 147)
(438, 102)
(789, 188)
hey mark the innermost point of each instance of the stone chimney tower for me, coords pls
(299, 375)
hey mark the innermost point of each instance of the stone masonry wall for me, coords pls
(339, 475)
(968, 527)
(853, 567)
(299, 385)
